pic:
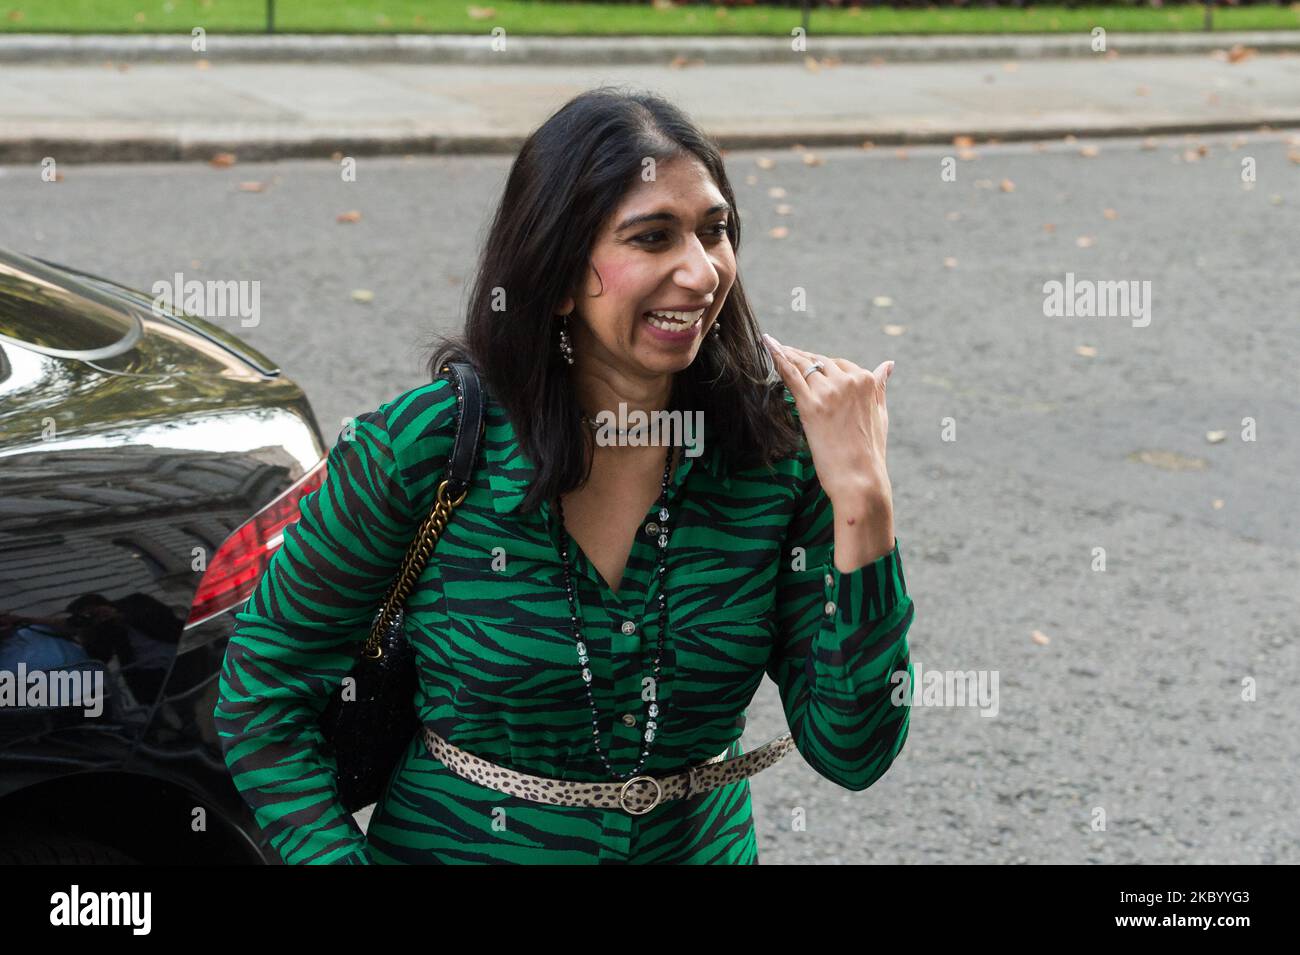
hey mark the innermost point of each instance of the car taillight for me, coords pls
(240, 561)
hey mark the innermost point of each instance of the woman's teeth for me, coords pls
(674, 321)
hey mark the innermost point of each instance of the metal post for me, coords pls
(1209, 14)
(806, 4)
(270, 16)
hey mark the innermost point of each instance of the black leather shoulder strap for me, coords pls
(470, 425)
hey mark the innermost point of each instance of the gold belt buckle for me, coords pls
(622, 795)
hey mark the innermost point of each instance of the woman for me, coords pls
(598, 609)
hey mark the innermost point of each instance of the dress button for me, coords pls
(629, 719)
(830, 607)
(830, 581)
(652, 528)
(629, 627)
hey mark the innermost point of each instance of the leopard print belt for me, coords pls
(635, 796)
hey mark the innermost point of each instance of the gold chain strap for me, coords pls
(413, 564)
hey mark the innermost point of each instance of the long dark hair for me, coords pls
(569, 177)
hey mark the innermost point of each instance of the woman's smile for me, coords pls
(676, 327)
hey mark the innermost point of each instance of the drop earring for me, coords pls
(716, 330)
(566, 347)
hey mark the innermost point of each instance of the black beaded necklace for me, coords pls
(652, 710)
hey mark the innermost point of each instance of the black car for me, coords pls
(149, 462)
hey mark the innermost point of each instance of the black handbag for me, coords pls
(368, 735)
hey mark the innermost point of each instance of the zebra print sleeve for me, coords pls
(843, 639)
(299, 634)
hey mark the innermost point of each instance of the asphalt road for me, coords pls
(1134, 704)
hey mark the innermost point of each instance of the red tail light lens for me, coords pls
(242, 558)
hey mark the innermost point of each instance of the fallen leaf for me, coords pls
(812, 159)
(810, 63)
(950, 263)
(1089, 152)
(1040, 638)
(1011, 67)
(778, 232)
(1215, 437)
(882, 301)
(252, 186)
(952, 216)
(763, 162)
(776, 192)
(1169, 460)
(481, 13)
(362, 295)
(966, 155)
(1069, 139)
(1049, 227)
(901, 153)
(201, 64)
(895, 329)
(1087, 351)
(963, 142)
(1217, 504)
(1150, 143)
(1084, 242)
(1238, 53)
(784, 209)
(751, 180)
(350, 216)
(222, 160)
(867, 144)
(1110, 213)
(1143, 91)
(983, 183)
(1008, 186)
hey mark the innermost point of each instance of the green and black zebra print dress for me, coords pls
(751, 587)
